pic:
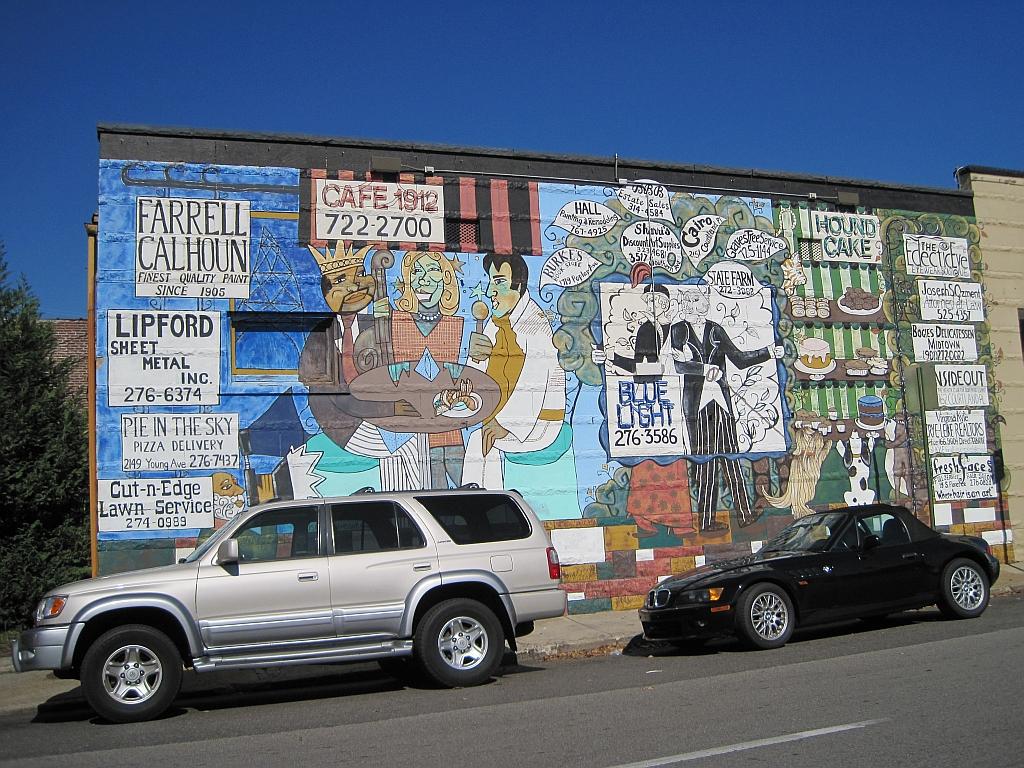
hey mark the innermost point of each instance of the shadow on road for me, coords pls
(257, 687)
(639, 646)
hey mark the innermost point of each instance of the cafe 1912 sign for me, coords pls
(192, 248)
(852, 237)
(933, 256)
(947, 300)
(963, 478)
(378, 211)
(163, 357)
(155, 504)
(960, 431)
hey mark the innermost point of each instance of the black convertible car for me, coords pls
(829, 566)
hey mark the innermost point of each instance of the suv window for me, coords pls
(373, 526)
(280, 534)
(477, 518)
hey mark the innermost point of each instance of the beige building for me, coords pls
(999, 207)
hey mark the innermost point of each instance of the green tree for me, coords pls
(44, 530)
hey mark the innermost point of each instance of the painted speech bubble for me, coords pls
(698, 236)
(753, 245)
(586, 218)
(567, 267)
(647, 199)
(652, 243)
(732, 280)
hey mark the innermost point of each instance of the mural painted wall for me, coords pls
(668, 377)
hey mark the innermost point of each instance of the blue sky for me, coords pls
(900, 92)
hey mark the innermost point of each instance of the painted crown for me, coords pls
(342, 258)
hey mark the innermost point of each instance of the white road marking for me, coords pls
(687, 756)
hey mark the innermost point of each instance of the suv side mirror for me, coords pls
(227, 552)
(870, 542)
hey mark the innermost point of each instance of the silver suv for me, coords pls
(432, 582)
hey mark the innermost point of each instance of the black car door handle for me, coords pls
(910, 555)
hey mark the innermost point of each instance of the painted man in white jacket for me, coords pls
(515, 349)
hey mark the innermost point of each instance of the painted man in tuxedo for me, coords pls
(700, 349)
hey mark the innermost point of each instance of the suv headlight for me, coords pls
(50, 607)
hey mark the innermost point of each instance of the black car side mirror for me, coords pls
(870, 542)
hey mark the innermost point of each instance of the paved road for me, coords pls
(918, 692)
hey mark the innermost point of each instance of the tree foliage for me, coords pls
(43, 457)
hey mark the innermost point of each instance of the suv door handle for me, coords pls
(910, 555)
(421, 567)
(309, 576)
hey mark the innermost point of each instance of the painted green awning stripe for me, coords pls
(873, 284)
(848, 345)
(834, 288)
(816, 280)
(822, 402)
(855, 277)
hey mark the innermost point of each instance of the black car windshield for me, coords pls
(808, 534)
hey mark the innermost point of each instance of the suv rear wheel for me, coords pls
(459, 643)
(131, 673)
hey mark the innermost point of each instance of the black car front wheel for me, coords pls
(764, 617)
(963, 593)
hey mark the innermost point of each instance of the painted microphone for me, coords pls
(480, 312)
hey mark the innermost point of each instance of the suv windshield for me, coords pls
(808, 534)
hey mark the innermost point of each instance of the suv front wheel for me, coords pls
(131, 673)
(459, 643)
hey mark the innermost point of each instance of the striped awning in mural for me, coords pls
(846, 340)
(482, 215)
(831, 280)
(836, 396)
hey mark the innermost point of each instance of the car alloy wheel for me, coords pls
(765, 617)
(769, 615)
(462, 643)
(132, 674)
(966, 588)
(458, 642)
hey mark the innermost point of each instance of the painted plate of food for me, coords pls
(456, 404)
(857, 301)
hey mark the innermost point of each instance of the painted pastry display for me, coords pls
(815, 356)
(857, 368)
(870, 412)
(857, 301)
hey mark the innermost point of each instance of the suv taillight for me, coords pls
(554, 569)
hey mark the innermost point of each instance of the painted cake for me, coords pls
(815, 354)
(870, 412)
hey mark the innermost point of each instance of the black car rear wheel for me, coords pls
(963, 593)
(764, 617)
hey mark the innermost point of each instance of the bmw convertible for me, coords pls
(858, 562)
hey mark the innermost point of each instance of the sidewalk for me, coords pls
(564, 637)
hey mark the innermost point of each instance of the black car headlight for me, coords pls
(708, 595)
